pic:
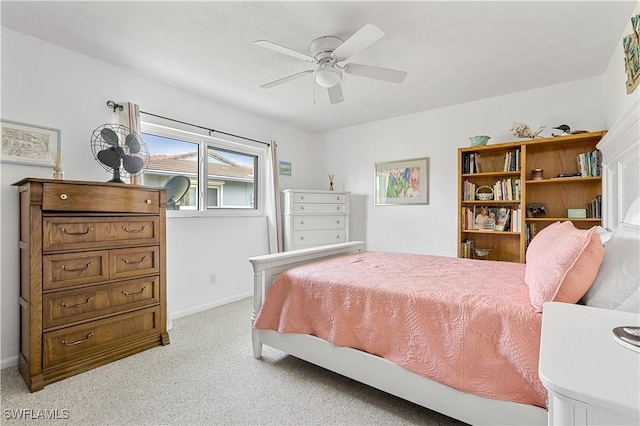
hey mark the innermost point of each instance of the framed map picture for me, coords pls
(29, 144)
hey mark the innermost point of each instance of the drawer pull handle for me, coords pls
(338, 208)
(133, 262)
(338, 236)
(148, 201)
(302, 197)
(77, 233)
(64, 342)
(133, 231)
(338, 221)
(77, 269)
(301, 207)
(64, 304)
(302, 222)
(302, 238)
(63, 196)
(126, 293)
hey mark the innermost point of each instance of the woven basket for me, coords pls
(484, 196)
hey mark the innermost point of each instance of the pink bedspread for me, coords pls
(465, 323)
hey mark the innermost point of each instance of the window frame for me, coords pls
(204, 143)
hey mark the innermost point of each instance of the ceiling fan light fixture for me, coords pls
(327, 77)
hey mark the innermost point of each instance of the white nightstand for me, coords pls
(591, 379)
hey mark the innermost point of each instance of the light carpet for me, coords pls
(208, 376)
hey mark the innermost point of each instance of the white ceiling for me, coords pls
(453, 51)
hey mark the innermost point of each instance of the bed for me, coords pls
(328, 348)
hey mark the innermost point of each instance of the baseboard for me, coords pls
(207, 306)
(8, 362)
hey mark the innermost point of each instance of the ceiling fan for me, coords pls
(327, 52)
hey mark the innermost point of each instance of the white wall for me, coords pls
(351, 153)
(54, 87)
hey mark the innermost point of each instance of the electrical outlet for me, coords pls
(212, 279)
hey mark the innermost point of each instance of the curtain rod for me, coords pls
(114, 106)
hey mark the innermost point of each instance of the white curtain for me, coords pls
(272, 204)
(129, 117)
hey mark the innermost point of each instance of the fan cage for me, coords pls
(98, 144)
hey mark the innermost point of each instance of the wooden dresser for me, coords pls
(92, 275)
(314, 218)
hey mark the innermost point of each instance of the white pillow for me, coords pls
(605, 234)
(617, 284)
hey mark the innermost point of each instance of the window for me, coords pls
(223, 174)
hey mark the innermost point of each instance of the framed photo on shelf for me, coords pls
(502, 219)
(402, 182)
(29, 144)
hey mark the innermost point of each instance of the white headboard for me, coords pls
(621, 168)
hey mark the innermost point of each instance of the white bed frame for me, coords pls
(620, 147)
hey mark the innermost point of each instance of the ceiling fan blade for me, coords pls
(362, 39)
(278, 48)
(335, 94)
(286, 79)
(386, 74)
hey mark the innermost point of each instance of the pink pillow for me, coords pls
(562, 263)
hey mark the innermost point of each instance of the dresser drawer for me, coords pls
(65, 270)
(132, 262)
(302, 223)
(304, 197)
(87, 198)
(306, 208)
(65, 307)
(303, 239)
(88, 339)
(72, 233)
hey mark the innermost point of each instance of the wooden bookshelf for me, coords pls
(555, 156)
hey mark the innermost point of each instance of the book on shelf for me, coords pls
(471, 163)
(511, 160)
(590, 163)
(594, 207)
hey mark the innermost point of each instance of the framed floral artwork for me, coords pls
(402, 182)
(631, 46)
(29, 144)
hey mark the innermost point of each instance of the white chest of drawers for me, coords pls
(314, 218)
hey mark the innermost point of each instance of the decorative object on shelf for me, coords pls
(566, 130)
(521, 130)
(536, 174)
(284, 168)
(28, 143)
(631, 48)
(57, 157)
(479, 140)
(484, 196)
(577, 213)
(330, 182)
(401, 182)
(482, 253)
(120, 150)
(536, 210)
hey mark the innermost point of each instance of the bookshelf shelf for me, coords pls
(507, 168)
(569, 180)
(562, 219)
